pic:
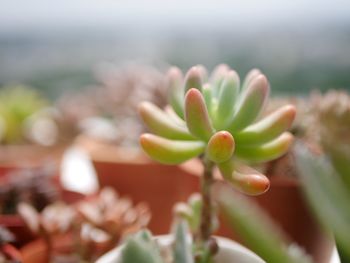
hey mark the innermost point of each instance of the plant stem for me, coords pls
(207, 179)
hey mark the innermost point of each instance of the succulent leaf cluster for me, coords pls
(218, 118)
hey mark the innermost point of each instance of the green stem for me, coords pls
(205, 228)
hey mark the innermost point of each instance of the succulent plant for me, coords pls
(332, 111)
(217, 119)
(93, 225)
(33, 186)
(17, 104)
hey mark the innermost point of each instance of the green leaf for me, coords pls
(196, 115)
(175, 89)
(140, 249)
(193, 79)
(243, 178)
(170, 151)
(226, 100)
(249, 77)
(267, 151)
(182, 250)
(159, 122)
(268, 128)
(254, 226)
(327, 195)
(217, 77)
(251, 104)
(220, 147)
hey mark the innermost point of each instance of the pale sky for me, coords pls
(32, 14)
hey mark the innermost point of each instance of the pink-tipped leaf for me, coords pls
(251, 104)
(161, 124)
(269, 127)
(193, 79)
(170, 151)
(175, 91)
(226, 100)
(196, 115)
(220, 147)
(265, 152)
(245, 179)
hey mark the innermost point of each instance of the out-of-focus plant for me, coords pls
(27, 117)
(325, 176)
(106, 111)
(93, 226)
(257, 229)
(17, 105)
(33, 186)
(217, 119)
(8, 253)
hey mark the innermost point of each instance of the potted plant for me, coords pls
(325, 175)
(217, 122)
(83, 231)
(30, 130)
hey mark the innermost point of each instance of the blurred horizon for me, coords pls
(299, 45)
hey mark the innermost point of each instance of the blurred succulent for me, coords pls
(106, 111)
(327, 193)
(325, 177)
(33, 186)
(93, 226)
(17, 105)
(333, 115)
(8, 253)
(256, 228)
(217, 121)
(143, 248)
(115, 215)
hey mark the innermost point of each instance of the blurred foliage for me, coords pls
(256, 228)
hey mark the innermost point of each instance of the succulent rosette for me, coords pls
(220, 120)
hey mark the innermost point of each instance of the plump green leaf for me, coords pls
(249, 77)
(140, 249)
(217, 77)
(182, 249)
(245, 179)
(253, 225)
(196, 115)
(193, 79)
(170, 151)
(159, 122)
(226, 100)
(268, 128)
(220, 147)
(175, 90)
(251, 103)
(267, 151)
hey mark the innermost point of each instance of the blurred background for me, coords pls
(56, 46)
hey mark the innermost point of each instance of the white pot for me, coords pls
(229, 252)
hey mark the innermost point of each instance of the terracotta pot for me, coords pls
(16, 225)
(14, 157)
(285, 203)
(229, 252)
